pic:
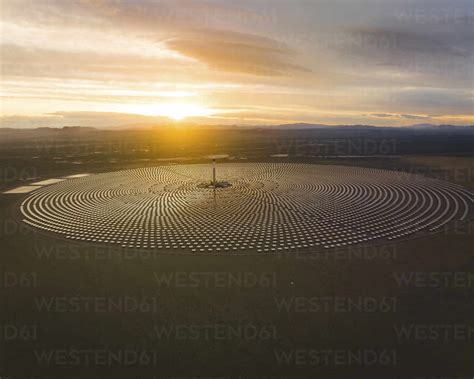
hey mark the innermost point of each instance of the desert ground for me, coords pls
(399, 310)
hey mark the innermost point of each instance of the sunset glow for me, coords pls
(114, 62)
(175, 111)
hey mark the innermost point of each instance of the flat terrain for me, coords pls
(71, 309)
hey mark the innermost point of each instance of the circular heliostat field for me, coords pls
(266, 207)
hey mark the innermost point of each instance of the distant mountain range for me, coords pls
(358, 126)
(295, 126)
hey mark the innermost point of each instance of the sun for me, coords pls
(175, 111)
(180, 111)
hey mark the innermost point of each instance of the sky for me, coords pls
(111, 63)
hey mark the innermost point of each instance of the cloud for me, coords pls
(92, 119)
(434, 100)
(382, 115)
(237, 52)
(414, 116)
(428, 53)
(419, 40)
(18, 61)
(403, 115)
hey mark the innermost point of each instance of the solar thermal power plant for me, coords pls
(262, 208)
